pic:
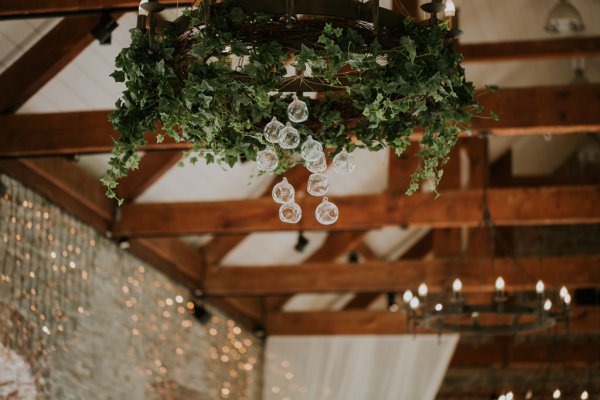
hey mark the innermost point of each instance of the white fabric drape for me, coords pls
(356, 367)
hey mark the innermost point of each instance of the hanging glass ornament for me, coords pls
(311, 149)
(319, 165)
(327, 212)
(271, 131)
(290, 213)
(267, 160)
(343, 162)
(297, 111)
(289, 138)
(283, 192)
(318, 185)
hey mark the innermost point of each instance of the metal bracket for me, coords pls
(289, 11)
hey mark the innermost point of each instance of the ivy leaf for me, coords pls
(410, 47)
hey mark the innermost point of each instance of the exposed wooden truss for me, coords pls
(24, 8)
(44, 60)
(361, 322)
(516, 206)
(558, 109)
(476, 275)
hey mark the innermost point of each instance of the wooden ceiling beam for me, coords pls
(515, 206)
(527, 50)
(151, 167)
(30, 8)
(357, 322)
(43, 61)
(401, 275)
(522, 111)
(64, 184)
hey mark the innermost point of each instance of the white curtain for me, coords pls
(399, 367)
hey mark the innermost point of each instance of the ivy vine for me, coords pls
(382, 86)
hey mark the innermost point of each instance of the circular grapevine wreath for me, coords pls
(216, 85)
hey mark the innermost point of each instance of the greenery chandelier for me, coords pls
(339, 75)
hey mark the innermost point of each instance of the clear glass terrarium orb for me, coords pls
(297, 111)
(290, 213)
(283, 192)
(319, 165)
(267, 160)
(289, 138)
(343, 162)
(271, 131)
(311, 150)
(318, 185)
(327, 212)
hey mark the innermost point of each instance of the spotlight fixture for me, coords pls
(392, 302)
(103, 30)
(124, 243)
(199, 311)
(301, 243)
(564, 18)
(3, 190)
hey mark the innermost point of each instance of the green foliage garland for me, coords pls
(395, 81)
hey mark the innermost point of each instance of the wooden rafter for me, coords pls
(24, 8)
(358, 322)
(558, 109)
(43, 61)
(515, 206)
(525, 50)
(476, 275)
(152, 167)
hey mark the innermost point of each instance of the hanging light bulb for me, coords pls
(283, 192)
(327, 212)
(311, 150)
(267, 160)
(271, 131)
(297, 110)
(502, 397)
(423, 290)
(510, 396)
(500, 284)
(584, 395)
(289, 138)
(567, 299)
(414, 303)
(343, 162)
(407, 296)
(563, 292)
(547, 305)
(556, 394)
(564, 19)
(539, 287)
(449, 9)
(439, 307)
(529, 394)
(456, 286)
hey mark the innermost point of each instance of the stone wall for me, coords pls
(82, 319)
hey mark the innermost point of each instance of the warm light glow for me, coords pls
(584, 395)
(539, 287)
(439, 307)
(414, 303)
(457, 285)
(393, 307)
(450, 9)
(502, 397)
(547, 304)
(556, 394)
(423, 290)
(500, 284)
(567, 299)
(529, 395)
(407, 296)
(563, 292)
(510, 396)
